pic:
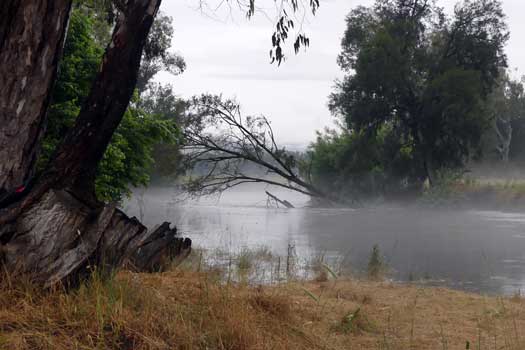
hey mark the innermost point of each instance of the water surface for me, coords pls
(479, 251)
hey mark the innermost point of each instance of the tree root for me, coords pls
(59, 239)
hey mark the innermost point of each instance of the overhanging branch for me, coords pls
(232, 142)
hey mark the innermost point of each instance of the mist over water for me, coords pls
(481, 251)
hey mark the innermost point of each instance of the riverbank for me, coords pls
(489, 194)
(463, 194)
(184, 309)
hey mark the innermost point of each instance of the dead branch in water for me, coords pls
(225, 148)
(276, 199)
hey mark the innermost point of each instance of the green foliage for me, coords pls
(340, 161)
(156, 56)
(357, 164)
(415, 87)
(355, 322)
(508, 98)
(376, 264)
(160, 101)
(129, 157)
(103, 14)
(454, 122)
(444, 188)
(311, 295)
(149, 122)
(77, 70)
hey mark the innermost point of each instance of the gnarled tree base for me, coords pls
(60, 238)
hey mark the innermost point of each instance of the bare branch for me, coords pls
(220, 143)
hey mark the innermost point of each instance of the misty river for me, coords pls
(481, 251)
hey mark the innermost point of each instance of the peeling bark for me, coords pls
(60, 237)
(32, 35)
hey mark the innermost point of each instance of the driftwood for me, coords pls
(283, 202)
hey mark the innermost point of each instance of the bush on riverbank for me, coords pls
(472, 193)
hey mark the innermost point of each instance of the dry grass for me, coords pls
(495, 191)
(192, 310)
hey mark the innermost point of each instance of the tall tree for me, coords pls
(53, 225)
(422, 73)
(128, 159)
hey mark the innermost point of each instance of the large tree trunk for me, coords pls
(59, 238)
(31, 38)
(55, 228)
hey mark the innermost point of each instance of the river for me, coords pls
(481, 251)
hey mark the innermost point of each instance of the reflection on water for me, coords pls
(474, 250)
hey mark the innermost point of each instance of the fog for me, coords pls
(473, 250)
(470, 249)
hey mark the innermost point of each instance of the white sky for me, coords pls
(231, 56)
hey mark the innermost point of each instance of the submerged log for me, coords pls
(283, 202)
(59, 237)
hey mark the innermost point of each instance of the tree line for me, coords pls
(424, 93)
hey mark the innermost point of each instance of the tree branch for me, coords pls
(236, 139)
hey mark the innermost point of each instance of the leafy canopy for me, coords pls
(422, 74)
(147, 123)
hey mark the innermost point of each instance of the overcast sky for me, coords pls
(230, 56)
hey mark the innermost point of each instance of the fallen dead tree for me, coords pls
(221, 144)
